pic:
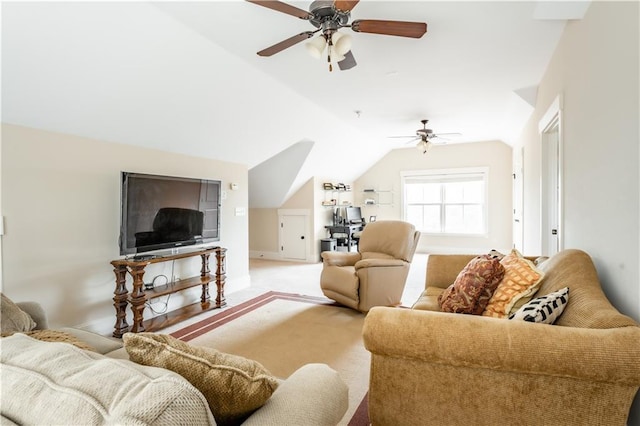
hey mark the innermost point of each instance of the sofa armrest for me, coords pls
(338, 258)
(36, 312)
(458, 340)
(382, 263)
(313, 395)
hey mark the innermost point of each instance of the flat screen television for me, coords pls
(167, 212)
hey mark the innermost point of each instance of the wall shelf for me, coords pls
(377, 197)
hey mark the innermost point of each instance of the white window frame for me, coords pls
(453, 174)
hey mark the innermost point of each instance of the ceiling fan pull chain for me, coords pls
(329, 48)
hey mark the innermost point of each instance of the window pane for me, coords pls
(415, 217)
(454, 192)
(473, 219)
(454, 219)
(414, 193)
(432, 219)
(432, 192)
(474, 192)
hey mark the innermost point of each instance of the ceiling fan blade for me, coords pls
(345, 6)
(394, 28)
(283, 7)
(447, 134)
(402, 137)
(278, 47)
(348, 62)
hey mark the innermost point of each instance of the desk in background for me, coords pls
(348, 230)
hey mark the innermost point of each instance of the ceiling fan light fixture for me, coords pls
(316, 46)
(424, 146)
(341, 43)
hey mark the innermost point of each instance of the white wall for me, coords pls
(494, 155)
(61, 201)
(595, 69)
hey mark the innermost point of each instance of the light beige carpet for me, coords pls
(284, 331)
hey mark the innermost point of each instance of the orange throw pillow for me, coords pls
(521, 279)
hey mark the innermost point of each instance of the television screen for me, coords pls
(162, 212)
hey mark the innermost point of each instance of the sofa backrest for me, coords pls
(588, 306)
(389, 239)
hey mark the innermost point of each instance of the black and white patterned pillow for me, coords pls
(544, 309)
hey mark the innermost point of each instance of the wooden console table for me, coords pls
(139, 296)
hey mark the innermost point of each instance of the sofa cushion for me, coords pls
(233, 386)
(473, 287)
(58, 383)
(544, 309)
(428, 300)
(521, 279)
(55, 336)
(13, 319)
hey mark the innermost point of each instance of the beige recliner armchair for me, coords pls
(376, 274)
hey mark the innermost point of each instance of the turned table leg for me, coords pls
(204, 274)
(120, 301)
(221, 277)
(138, 299)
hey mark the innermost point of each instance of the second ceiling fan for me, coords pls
(328, 16)
(426, 137)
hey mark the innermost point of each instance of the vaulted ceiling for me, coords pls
(184, 77)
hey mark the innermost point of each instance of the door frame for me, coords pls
(551, 122)
(307, 231)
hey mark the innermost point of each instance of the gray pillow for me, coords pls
(14, 319)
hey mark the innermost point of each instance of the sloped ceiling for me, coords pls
(268, 189)
(184, 77)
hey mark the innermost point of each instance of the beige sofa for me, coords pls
(59, 383)
(431, 367)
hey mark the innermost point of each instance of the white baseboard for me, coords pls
(268, 255)
(276, 256)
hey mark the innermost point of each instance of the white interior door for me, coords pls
(551, 182)
(293, 236)
(518, 203)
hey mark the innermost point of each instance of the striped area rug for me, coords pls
(284, 331)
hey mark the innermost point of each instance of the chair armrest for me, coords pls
(372, 263)
(458, 340)
(313, 395)
(338, 258)
(36, 312)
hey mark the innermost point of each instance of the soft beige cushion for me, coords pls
(521, 279)
(101, 344)
(234, 386)
(13, 318)
(473, 287)
(55, 336)
(58, 383)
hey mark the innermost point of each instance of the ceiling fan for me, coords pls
(328, 16)
(426, 137)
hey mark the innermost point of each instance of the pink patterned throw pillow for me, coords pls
(474, 286)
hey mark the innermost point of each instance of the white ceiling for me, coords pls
(185, 77)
